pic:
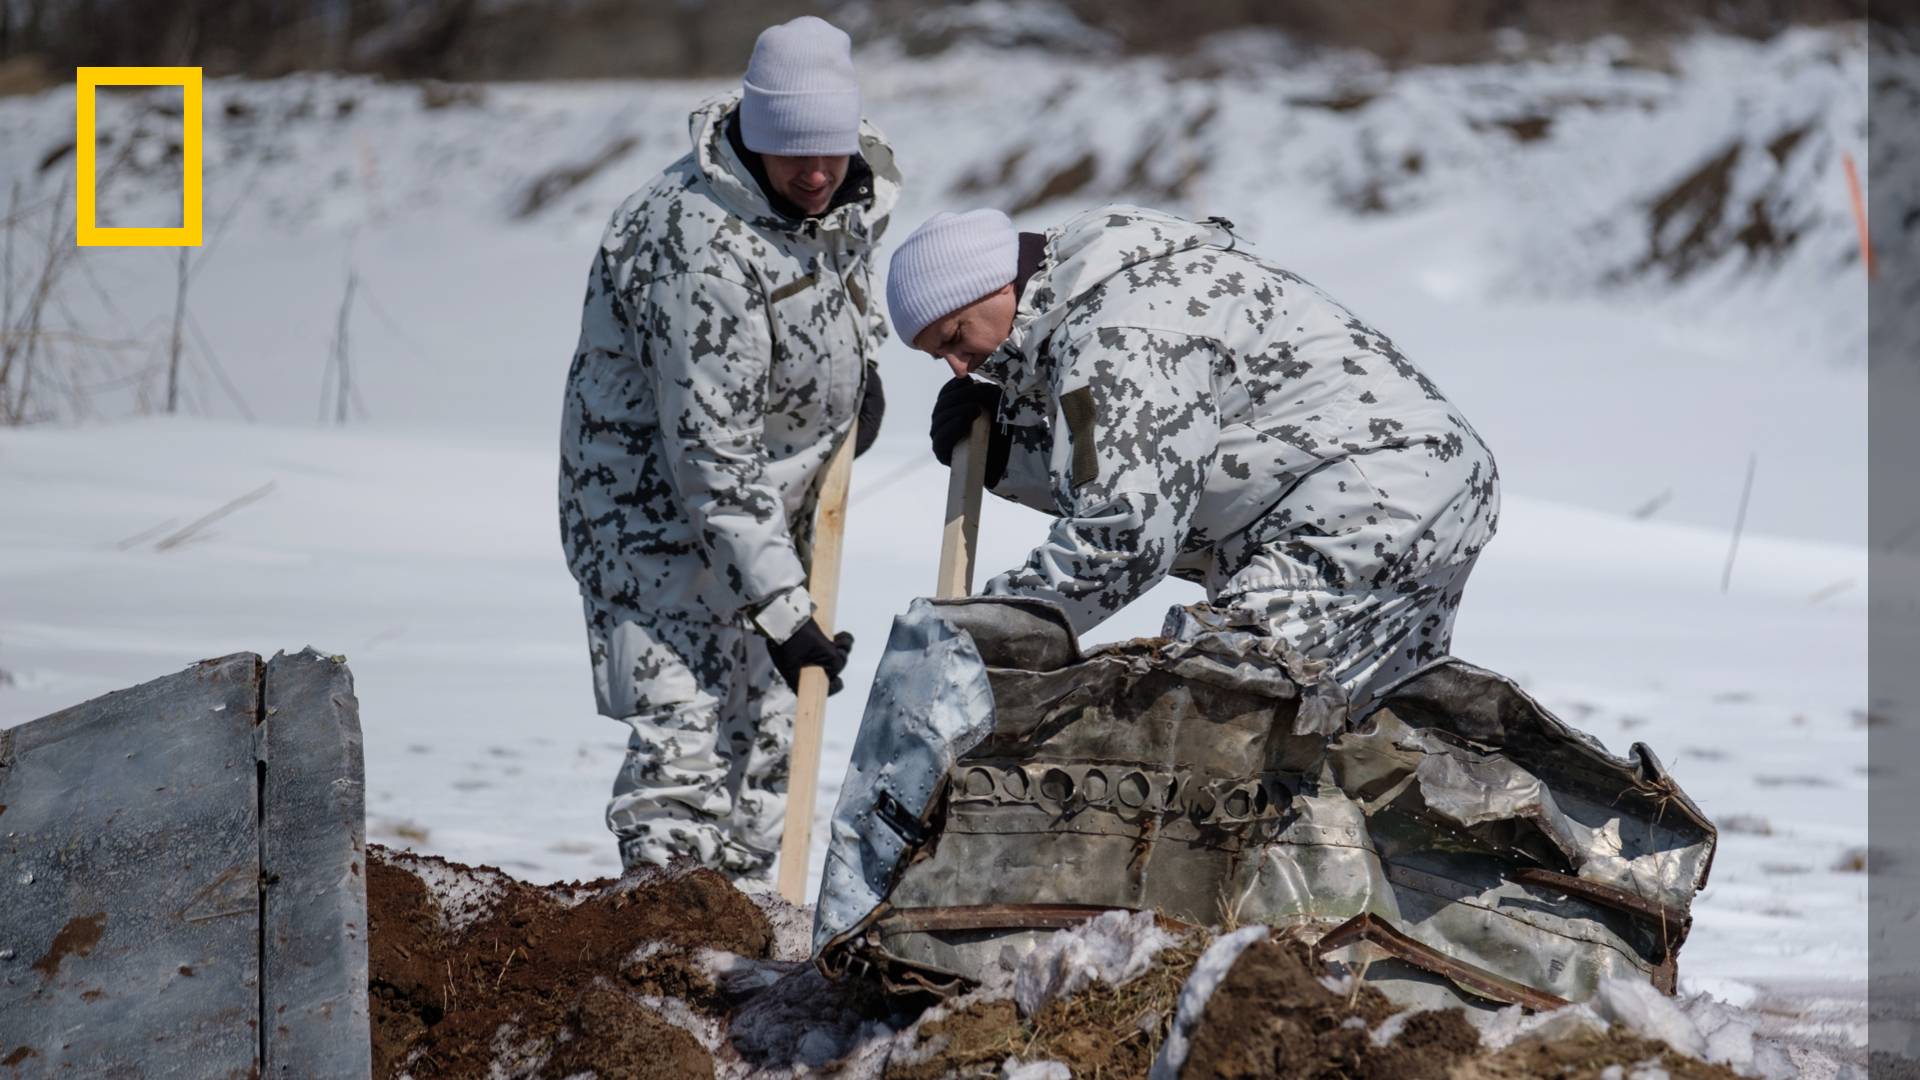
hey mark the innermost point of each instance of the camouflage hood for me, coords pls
(736, 189)
(1080, 256)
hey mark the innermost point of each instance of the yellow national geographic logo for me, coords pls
(87, 81)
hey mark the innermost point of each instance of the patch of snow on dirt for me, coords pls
(1015, 1069)
(1696, 1025)
(464, 896)
(1110, 948)
(792, 924)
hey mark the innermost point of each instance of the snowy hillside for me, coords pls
(1498, 220)
(1569, 247)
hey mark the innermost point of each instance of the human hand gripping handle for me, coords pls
(811, 647)
(963, 402)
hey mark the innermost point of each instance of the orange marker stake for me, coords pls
(1859, 212)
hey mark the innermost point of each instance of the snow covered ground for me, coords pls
(420, 540)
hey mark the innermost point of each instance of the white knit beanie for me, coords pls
(949, 262)
(800, 98)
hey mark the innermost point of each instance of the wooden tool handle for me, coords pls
(809, 715)
(965, 481)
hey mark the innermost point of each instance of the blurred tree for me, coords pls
(487, 39)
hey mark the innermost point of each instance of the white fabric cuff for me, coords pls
(781, 617)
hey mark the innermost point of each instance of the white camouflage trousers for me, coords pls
(711, 726)
(1367, 640)
(1374, 599)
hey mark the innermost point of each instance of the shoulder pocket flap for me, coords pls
(792, 288)
(1077, 406)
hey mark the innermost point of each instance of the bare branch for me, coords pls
(174, 540)
(179, 324)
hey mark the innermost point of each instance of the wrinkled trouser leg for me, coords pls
(757, 739)
(711, 724)
(1370, 639)
(1367, 586)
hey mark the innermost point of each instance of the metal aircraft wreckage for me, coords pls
(1458, 836)
(1455, 841)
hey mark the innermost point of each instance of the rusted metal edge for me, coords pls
(1001, 917)
(859, 952)
(1666, 974)
(896, 976)
(1673, 922)
(1383, 935)
(900, 978)
(837, 958)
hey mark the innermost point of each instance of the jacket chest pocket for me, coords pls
(815, 368)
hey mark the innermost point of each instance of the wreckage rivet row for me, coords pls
(1064, 786)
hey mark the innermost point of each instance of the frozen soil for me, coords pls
(679, 974)
(545, 981)
(1272, 1016)
(1588, 1056)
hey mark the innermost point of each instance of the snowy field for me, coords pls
(420, 539)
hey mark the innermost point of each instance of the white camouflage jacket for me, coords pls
(722, 354)
(1181, 405)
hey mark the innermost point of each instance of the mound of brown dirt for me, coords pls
(473, 974)
(1585, 1057)
(1272, 1016)
(543, 982)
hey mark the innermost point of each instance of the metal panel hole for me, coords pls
(1202, 804)
(1056, 786)
(979, 783)
(1094, 787)
(1014, 783)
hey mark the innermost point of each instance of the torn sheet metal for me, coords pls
(931, 702)
(1001, 778)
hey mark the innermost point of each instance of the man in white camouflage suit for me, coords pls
(1184, 407)
(726, 348)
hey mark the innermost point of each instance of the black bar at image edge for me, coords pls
(1892, 183)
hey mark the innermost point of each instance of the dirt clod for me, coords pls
(1272, 1016)
(1585, 1057)
(546, 982)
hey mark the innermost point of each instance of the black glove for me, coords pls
(954, 410)
(873, 408)
(810, 647)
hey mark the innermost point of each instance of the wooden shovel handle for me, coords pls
(965, 481)
(809, 714)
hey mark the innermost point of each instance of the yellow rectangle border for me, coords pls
(86, 81)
